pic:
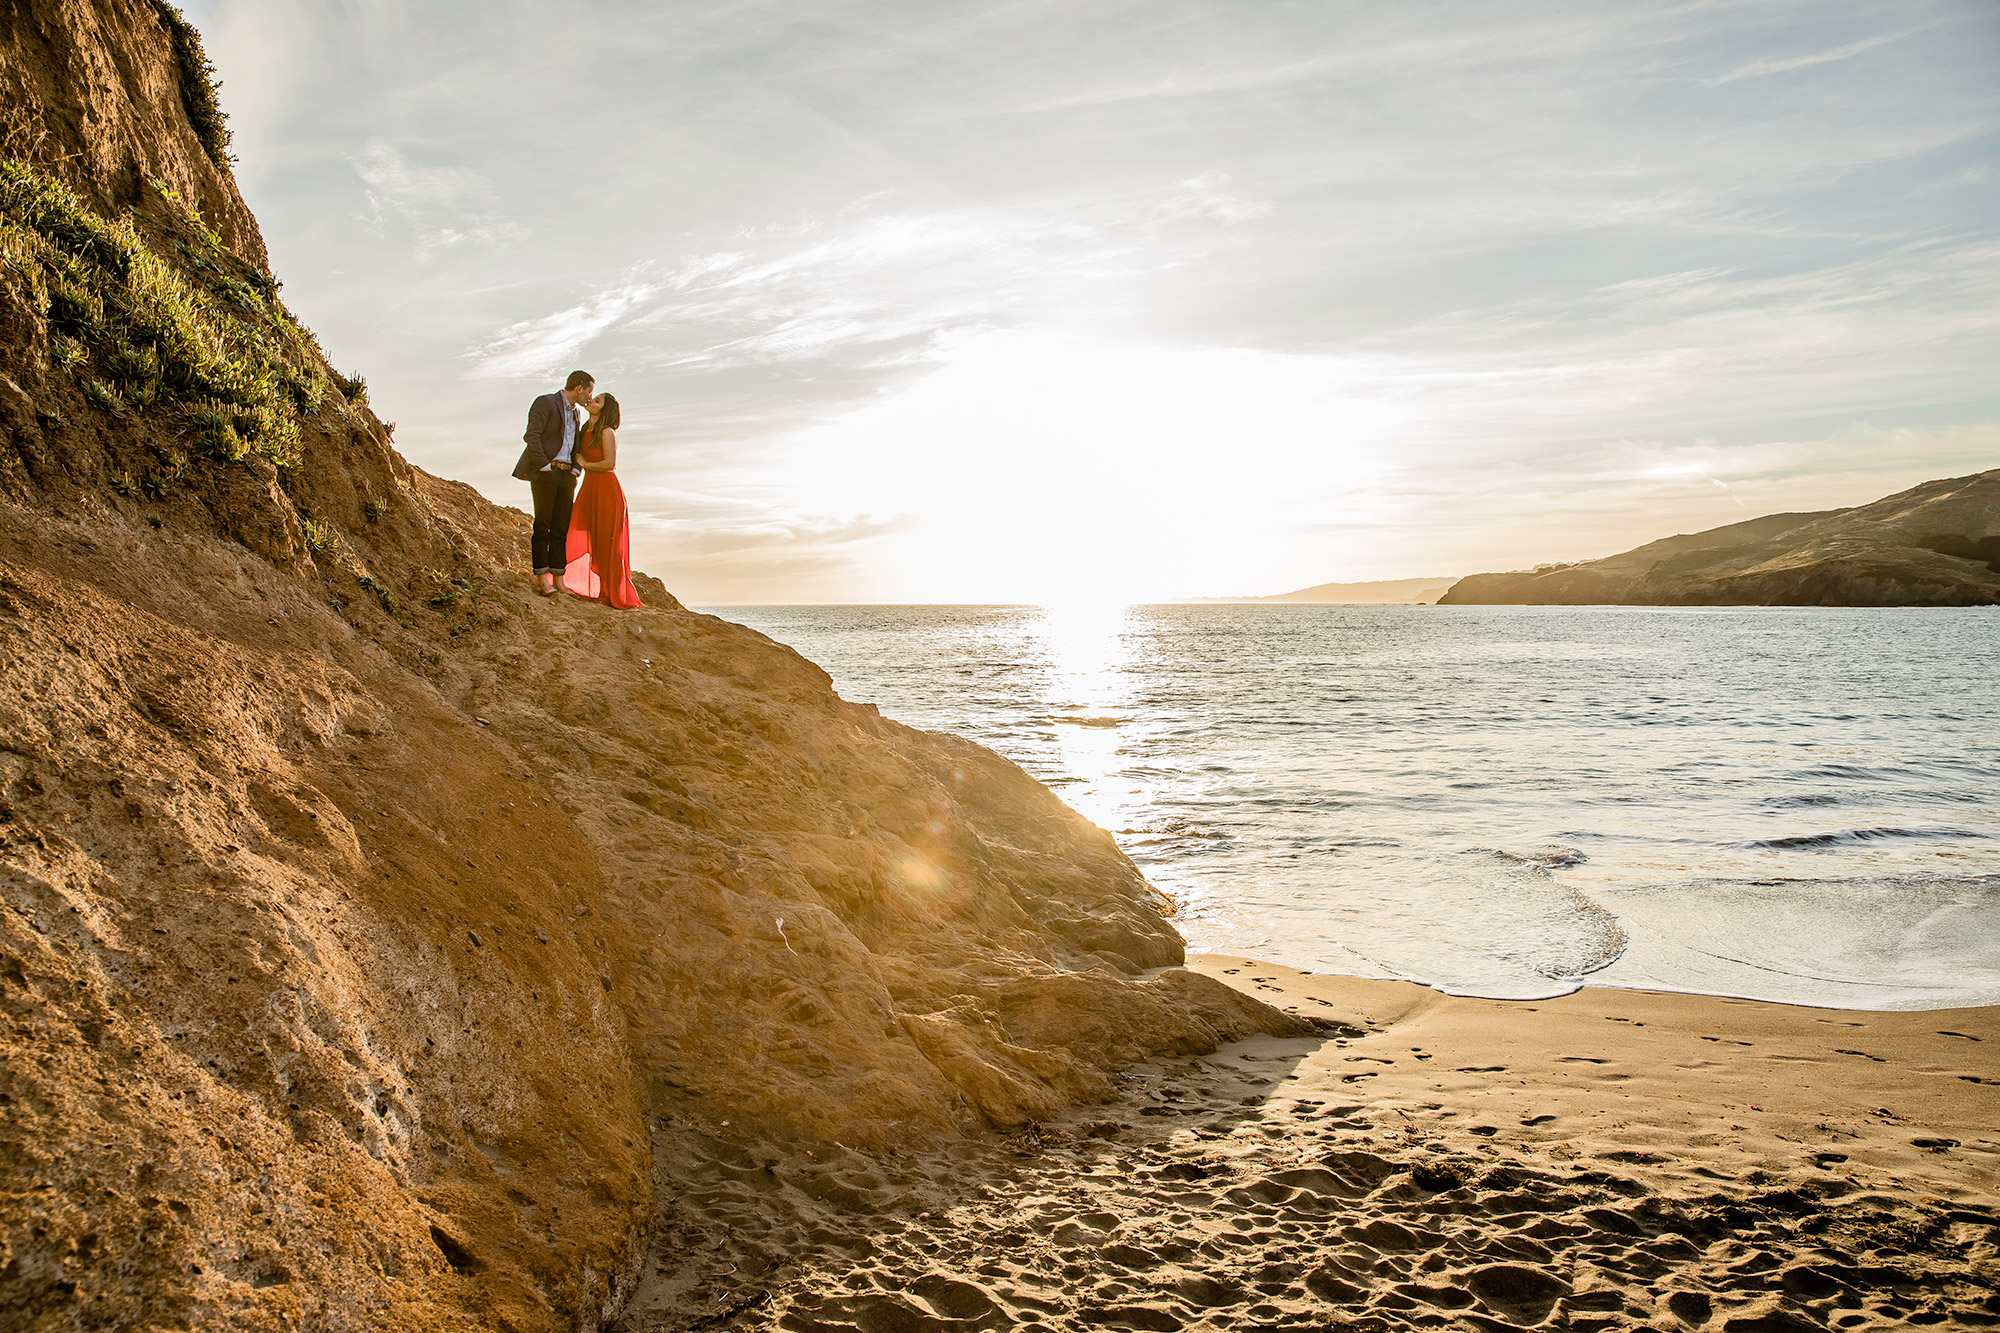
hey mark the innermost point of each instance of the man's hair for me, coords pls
(577, 377)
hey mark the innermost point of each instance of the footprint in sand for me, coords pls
(1690, 1307)
(1524, 1295)
(1207, 1293)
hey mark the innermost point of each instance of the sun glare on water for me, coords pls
(1089, 649)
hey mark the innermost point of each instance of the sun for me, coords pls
(1052, 470)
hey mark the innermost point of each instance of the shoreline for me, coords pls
(1607, 1159)
(1584, 986)
(1726, 1051)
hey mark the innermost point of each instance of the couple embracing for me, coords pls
(583, 541)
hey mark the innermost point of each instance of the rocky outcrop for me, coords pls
(1937, 544)
(373, 929)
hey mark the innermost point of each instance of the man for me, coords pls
(548, 465)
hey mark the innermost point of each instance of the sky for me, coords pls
(1104, 300)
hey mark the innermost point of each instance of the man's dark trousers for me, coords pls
(554, 493)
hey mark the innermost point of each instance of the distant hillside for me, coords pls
(1937, 544)
(1382, 590)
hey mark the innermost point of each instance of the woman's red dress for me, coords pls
(600, 537)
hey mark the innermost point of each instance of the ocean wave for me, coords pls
(1915, 941)
(1552, 857)
(1558, 931)
(1855, 773)
(1843, 837)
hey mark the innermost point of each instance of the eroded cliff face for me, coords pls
(98, 93)
(374, 930)
(1936, 544)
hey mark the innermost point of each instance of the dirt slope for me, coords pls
(1937, 544)
(374, 930)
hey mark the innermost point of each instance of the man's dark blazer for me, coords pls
(544, 435)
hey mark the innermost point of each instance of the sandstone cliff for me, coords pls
(375, 931)
(1937, 544)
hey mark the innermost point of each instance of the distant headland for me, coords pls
(1379, 592)
(1936, 544)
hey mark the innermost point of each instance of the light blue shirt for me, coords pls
(569, 435)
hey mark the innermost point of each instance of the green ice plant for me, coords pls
(320, 536)
(198, 85)
(204, 341)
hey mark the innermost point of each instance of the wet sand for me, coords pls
(1611, 1159)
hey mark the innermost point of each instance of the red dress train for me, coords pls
(600, 538)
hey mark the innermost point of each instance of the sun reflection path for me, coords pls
(1090, 649)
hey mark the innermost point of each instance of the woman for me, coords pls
(600, 539)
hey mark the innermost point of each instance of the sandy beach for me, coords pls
(1610, 1159)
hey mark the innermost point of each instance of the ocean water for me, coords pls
(1796, 804)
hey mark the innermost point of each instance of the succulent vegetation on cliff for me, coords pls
(161, 320)
(198, 85)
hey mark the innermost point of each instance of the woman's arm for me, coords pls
(607, 440)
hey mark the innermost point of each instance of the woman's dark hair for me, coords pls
(608, 417)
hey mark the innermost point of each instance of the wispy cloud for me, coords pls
(1757, 69)
(878, 288)
(444, 207)
(1386, 50)
(1749, 345)
(544, 346)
